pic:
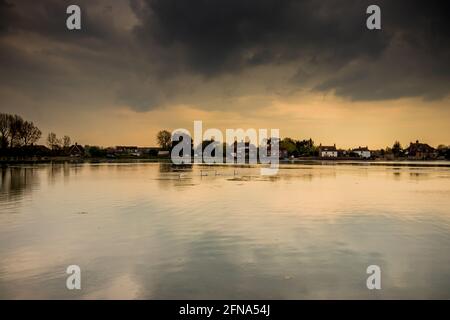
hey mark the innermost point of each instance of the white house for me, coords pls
(328, 151)
(363, 152)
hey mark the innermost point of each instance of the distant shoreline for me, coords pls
(310, 161)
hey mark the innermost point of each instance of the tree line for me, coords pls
(307, 148)
(296, 148)
(18, 137)
(17, 132)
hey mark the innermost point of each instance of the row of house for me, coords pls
(333, 152)
(134, 151)
(416, 151)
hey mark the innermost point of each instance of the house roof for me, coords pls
(76, 148)
(419, 147)
(328, 148)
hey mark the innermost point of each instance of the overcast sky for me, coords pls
(309, 68)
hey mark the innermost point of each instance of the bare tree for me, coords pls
(53, 142)
(164, 139)
(29, 133)
(15, 132)
(15, 129)
(66, 142)
(5, 120)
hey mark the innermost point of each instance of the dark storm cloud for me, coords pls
(4, 16)
(48, 18)
(173, 49)
(228, 36)
(415, 64)
(41, 59)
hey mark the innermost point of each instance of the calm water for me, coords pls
(149, 231)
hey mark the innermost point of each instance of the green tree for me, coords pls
(305, 147)
(289, 145)
(164, 139)
(397, 149)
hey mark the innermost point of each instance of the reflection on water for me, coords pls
(15, 182)
(149, 230)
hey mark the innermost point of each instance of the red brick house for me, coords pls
(420, 151)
